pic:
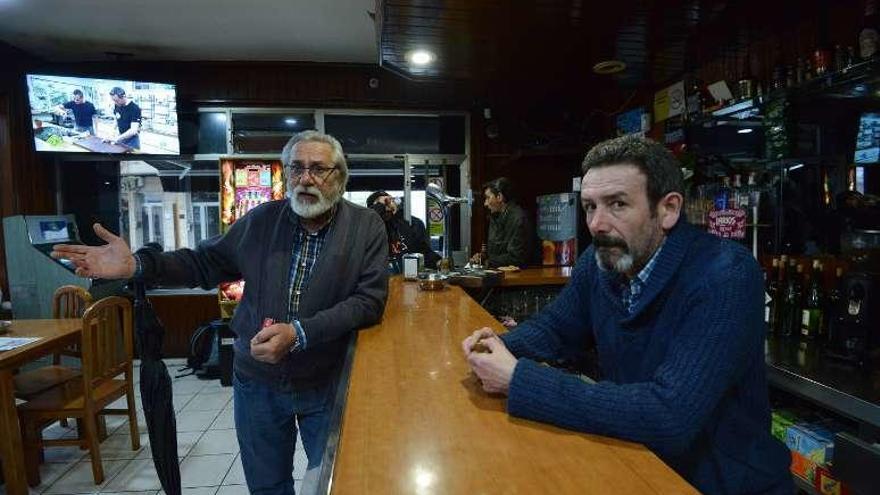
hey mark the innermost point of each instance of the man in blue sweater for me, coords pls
(676, 317)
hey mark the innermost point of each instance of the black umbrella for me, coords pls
(156, 393)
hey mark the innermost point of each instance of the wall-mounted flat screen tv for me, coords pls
(108, 116)
(868, 139)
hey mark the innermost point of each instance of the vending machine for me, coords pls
(558, 220)
(244, 184)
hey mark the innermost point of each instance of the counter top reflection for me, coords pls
(416, 420)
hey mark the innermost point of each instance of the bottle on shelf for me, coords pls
(777, 306)
(814, 303)
(771, 284)
(833, 305)
(723, 194)
(799, 68)
(839, 58)
(790, 324)
(868, 34)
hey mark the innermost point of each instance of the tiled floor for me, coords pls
(206, 444)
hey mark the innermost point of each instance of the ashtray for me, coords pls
(433, 282)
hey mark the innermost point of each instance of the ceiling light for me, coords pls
(290, 121)
(420, 57)
(745, 131)
(609, 67)
(795, 166)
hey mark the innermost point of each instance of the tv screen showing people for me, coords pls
(88, 115)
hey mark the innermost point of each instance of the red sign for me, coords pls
(729, 224)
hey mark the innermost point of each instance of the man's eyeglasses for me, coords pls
(318, 173)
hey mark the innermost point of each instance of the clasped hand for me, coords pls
(273, 343)
(494, 366)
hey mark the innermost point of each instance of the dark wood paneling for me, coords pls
(181, 315)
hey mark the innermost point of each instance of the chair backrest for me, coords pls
(107, 341)
(70, 301)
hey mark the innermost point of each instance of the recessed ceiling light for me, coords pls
(420, 57)
(745, 131)
(290, 121)
(609, 67)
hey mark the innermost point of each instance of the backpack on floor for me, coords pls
(202, 349)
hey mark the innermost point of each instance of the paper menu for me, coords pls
(10, 343)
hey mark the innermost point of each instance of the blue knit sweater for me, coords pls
(683, 374)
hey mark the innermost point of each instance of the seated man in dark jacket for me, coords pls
(512, 239)
(403, 237)
(676, 316)
(314, 271)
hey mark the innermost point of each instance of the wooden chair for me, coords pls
(69, 301)
(107, 352)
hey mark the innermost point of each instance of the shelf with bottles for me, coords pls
(822, 342)
(855, 80)
(859, 79)
(736, 200)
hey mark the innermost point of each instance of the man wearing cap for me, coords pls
(128, 120)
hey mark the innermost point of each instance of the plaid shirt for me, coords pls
(306, 249)
(630, 292)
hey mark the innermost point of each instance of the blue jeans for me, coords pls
(266, 419)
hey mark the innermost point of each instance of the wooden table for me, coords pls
(54, 334)
(416, 421)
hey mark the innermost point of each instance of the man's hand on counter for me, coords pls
(495, 367)
(273, 343)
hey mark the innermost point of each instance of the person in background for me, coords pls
(128, 120)
(676, 316)
(511, 236)
(314, 272)
(83, 112)
(403, 237)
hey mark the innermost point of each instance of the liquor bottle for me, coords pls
(777, 308)
(722, 196)
(839, 58)
(822, 61)
(740, 193)
(808, 70)
(799, 71)
(754, 191)
(789, 77)
(790, 324)
(772, 281)
(814, 302)
(868, 35)
(833, 306)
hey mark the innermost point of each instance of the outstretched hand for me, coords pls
(112, 260)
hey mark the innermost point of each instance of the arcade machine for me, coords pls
(33, 275)
(244, 184)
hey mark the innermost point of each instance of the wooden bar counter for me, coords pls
(529, 277)
(415, 419)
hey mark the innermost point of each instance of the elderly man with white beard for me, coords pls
(314, 271)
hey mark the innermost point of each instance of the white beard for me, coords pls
(623, 264)
(311, 210)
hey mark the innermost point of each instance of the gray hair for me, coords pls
(316, 137)
(661, 169)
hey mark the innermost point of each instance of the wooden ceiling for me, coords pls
(494, 40)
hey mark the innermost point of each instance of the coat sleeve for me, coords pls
(213, 261)
(722, 335)
(365, 305)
